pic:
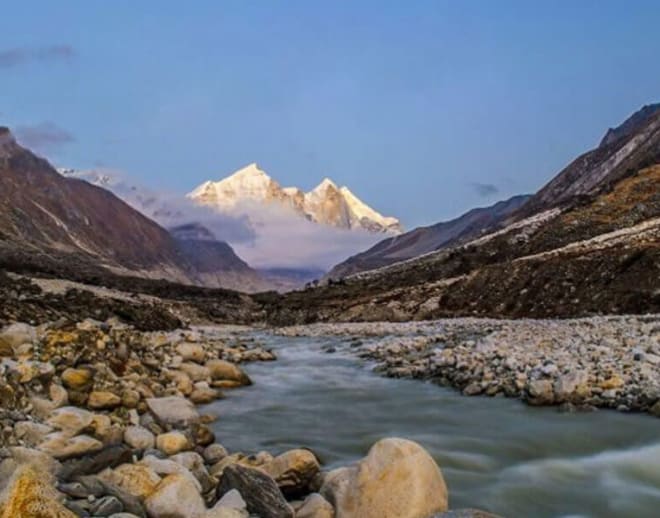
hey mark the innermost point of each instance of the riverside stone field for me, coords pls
(580, 364)
(99, 419)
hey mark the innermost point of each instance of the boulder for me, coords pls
(166, 467)
(397, 479)
(136, 479)
(100, 400)
(62, 446)
(139, 438)
(31, 433)
(58, 395)
(203, 395)
(172, 443)
(195, 372)
(194, 463)
(175, 497)
(293, 470)
(214, 453)
(15, 335)
(71, 420)
(32, 495)
(572, 386)
(259, 490)
(27, 456)
(173, 410)
(94, 462)
(540, 392)
(77, 379)
(182, 381)
(231, 505)
(315, 506)
(191, 352)
(222, 370)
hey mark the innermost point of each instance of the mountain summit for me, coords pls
(326, 204)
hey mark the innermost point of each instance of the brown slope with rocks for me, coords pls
(602, 256)
(423, 240)
(633, 145)
(68, 226)
(41, 210)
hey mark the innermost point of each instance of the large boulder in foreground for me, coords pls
(397, 479)
(31, 495)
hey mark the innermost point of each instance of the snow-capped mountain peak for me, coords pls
(326, 204)
(325, 184)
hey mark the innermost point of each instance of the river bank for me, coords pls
(579, 364)
(99, 419)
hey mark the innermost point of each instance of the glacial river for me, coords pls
(495, 453)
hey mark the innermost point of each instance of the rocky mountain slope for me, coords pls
(215, 263)
(423, 240)
(327, 204)
(633, 145)
(587, 243)
(601, 257)
(54, 219)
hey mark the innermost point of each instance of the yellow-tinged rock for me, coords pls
(31, 495)
(137, 479)
(612, 382)
(293, 470)
(227, 371)
(172, 443)
(397, 479)
(101, 400)
(76, 379)
(176, 497)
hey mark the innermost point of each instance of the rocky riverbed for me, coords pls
(99, 419)
(578, 364)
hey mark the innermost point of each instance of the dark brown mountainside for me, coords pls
(633, 145)
(58, 220)
(601, 256)
(423, 240)
(41, 210)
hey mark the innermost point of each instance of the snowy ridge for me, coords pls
(326, 204)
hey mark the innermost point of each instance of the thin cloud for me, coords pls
(44, 137)
(22, 55)
(485, 189)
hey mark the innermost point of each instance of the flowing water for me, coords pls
(495, 453)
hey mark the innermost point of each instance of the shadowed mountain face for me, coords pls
(215, 263)
(633, 145)
(70, 220)
(423, 240)
(599, 257)
(587, 243)
(40, 209)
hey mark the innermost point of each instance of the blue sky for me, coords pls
(425, 109)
